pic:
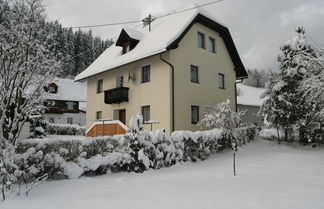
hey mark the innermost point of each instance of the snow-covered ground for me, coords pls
(270, 176)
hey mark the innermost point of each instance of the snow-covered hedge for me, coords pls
(72, 157)
(65, 129)
(201, 144)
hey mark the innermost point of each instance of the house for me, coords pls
(167, 70)
(66, 102)
(249, 99)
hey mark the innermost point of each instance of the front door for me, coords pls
(122, 116)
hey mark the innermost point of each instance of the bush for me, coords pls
(65, 129)
(133, 152)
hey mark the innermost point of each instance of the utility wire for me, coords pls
(184, 10)
(137, 21)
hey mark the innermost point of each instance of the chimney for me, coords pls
(147, 21)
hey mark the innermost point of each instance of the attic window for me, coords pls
(51, 88)
(126, 47)
(128, 41)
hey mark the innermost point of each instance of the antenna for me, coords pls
(147, 21)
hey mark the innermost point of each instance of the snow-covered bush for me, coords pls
(137, 152)
(65, 129)
(197, 145)
(245, 134)
(201, 144)
(220, 116)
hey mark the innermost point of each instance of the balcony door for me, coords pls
(120, 115)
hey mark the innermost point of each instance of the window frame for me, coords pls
(196, 68)
(212, 48)
(203, 44)
(70, 104)
(70, 120)
(142, 73)
(99, 86)
(191, 113)
(98, 112)
(142, 111)
(120, 83)
(221, 75)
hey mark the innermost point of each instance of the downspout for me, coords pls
(172, 91)
(236, 82)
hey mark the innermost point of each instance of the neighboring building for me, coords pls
(168, 73)
(66, 102)
(248, 98)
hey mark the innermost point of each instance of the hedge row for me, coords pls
(65, 129)
(71, 158)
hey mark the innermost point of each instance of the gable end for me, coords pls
(225, 34)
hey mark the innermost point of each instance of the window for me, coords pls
(221, 81)
(146, 73)
(146, 111)
(201, 40)
(99, 86)
(194, 114)
(211, 45)
(126, 47)
(120, 81)
(70, 120)
(194, 74)
(70, 105)
(98, 115)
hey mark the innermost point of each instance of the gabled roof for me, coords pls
(166, 32)
(68, 90)
(128, 33)
(249, 95)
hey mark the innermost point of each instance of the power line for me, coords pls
(184, 10)
(137, 21)
(107, 24)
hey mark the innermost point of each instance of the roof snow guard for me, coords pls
(165, 34)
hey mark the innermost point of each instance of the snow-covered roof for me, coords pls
(164, 32)
(249, 95)
(134, 34)
(68, 90)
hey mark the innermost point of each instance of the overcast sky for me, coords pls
(258, 27)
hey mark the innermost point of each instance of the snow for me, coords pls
(248, 95)
(269, 176)
(68, 90)
(143, 158)
(163, 32)
(108, 121)
(134, 34)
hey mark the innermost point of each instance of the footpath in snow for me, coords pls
(270, 176)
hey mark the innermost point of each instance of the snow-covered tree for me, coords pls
(220, 116)
(312, 90)
(285, 104)
(26, 66)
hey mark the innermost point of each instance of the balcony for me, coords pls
(116, 95)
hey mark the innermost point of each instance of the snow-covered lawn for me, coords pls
(270, 176)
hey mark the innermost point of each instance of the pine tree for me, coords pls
(285, 105)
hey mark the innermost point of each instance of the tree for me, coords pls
(313, 94)
(220, 116)
(285, 105)
(26, 66)
(258, 77)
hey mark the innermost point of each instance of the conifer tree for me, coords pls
(285, 105)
